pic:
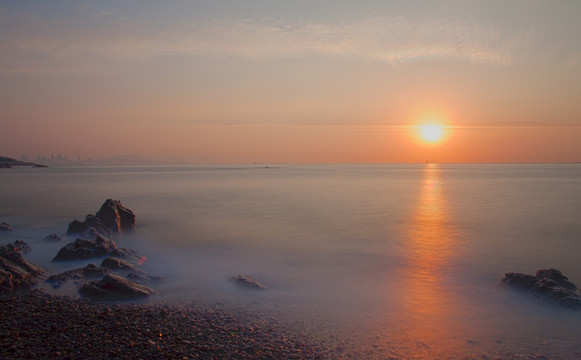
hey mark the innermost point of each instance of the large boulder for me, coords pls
(111, 219)
(114, 287)
(15, 272)
(548, 284)
(81, 249)
(116, 217)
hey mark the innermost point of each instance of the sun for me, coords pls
(431, 133)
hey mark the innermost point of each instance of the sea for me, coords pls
(399, 260)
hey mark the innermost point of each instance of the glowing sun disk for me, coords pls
(431, 132)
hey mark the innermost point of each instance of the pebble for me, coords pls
(68, 328)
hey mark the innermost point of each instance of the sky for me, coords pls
(338, 81)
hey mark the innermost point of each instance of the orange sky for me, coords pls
(324, 82)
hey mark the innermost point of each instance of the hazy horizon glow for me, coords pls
(309, 82)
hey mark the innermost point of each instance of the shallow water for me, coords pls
(401, 258)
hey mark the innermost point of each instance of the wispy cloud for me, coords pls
(394, 40)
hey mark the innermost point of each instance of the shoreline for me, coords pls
(40, 325)
(37, 325)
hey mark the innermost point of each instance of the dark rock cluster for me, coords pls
(548, 284)
(82, 249)
(118, 277)
(96, 241)
(111, 219)
(15, 272)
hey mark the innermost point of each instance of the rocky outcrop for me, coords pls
(5, 227)
(116, 217)
(247, 282)
(111, 219)
(89, 272)
(131, 271)
(92, 224)
(114, 287)
(85, 249)
(548, 284)
(15, 272)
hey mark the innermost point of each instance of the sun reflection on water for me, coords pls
(429, 326)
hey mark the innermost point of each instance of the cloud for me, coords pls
(394, 40)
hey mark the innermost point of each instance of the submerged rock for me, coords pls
(248, 282)
(52, 237)
(114, 287)
(85, 249)
(547, 284)
(111, 219)
(5, 227)
(15, 272)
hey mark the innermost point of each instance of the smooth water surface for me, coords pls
(401, 258)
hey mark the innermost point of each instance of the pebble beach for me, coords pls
(39, 326)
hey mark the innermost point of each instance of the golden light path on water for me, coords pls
(429, 327)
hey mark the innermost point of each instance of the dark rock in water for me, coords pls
(247, 281)
(89, 272)
(53, 237)
(547, 284)
(116, 217)
(117, 264)
(5, 227)
(114, 287)
(86, 249)
(144, 278)
(92, 224)
(132, 271)
(113, 218)
(23, 246)
(15, 272)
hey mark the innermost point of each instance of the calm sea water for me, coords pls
(401, 258)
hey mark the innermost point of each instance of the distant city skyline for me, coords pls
(292, 82)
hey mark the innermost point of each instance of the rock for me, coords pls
(89, 272)
(53, 237)
(15, 272)
(117, 264)
(247, 281)
(23, 246)
(5, 227)
(114, 287)
(112, 219)
(144, 278)
(116, 217)
(92, 224)
(547, 284)
(86, 249)
(132, 271)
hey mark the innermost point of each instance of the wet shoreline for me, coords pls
(37, 325)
